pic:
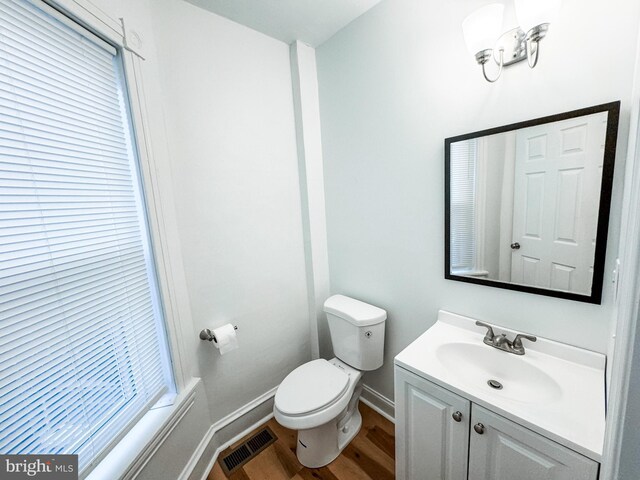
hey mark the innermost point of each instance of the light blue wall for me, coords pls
(393, 85)
(232, 144)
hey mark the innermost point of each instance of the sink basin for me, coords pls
(477, 364)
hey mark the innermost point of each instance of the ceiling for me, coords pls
(310, 21)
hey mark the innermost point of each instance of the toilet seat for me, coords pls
(315, 393)
(311, 387)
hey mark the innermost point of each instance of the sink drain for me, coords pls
(495, 384)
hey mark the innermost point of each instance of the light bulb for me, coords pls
(482, 28)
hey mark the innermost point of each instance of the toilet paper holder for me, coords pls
(207, 334)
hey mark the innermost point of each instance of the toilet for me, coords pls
(320, 398)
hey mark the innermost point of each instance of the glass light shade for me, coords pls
(532, 13)
(482, 28)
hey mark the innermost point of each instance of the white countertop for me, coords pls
(571, 413)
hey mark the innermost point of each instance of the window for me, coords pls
(463, 206)
(82, 347)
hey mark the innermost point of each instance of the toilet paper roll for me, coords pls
(226, 339)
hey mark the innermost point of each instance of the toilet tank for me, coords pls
(357, 331)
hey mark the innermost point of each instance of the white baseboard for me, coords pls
(227, 444)
(378, 402)
(227, 431)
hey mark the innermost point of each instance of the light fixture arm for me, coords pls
(532, 53)
(534, 36)
(483, 57)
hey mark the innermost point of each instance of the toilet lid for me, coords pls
(310, 387)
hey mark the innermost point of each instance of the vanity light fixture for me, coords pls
(484, 25)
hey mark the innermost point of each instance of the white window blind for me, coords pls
(463, 159)
(82, 347)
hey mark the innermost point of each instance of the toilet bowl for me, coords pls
(320, 398)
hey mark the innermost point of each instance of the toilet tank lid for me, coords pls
(354, 311)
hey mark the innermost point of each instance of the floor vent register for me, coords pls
(249, 449)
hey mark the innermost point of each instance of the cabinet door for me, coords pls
(430, 443)
(507, 451)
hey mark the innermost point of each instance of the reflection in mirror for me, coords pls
(526, 204)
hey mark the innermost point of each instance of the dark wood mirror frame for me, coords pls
(613, 110)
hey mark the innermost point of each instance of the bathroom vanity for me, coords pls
(465, 410)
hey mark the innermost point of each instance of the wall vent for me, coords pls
(245, 452)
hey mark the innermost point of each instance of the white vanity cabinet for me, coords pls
(443, 436)
(432, 430)
(505, 450)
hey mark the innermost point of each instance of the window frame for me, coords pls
(130, 451)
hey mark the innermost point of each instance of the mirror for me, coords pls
(527, 205)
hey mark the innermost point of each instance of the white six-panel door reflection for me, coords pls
(555, 215)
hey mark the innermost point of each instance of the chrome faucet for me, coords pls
(501, 342)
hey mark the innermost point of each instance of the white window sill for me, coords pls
(471, 273)
(136, 447)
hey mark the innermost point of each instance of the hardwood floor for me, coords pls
(369, 456)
